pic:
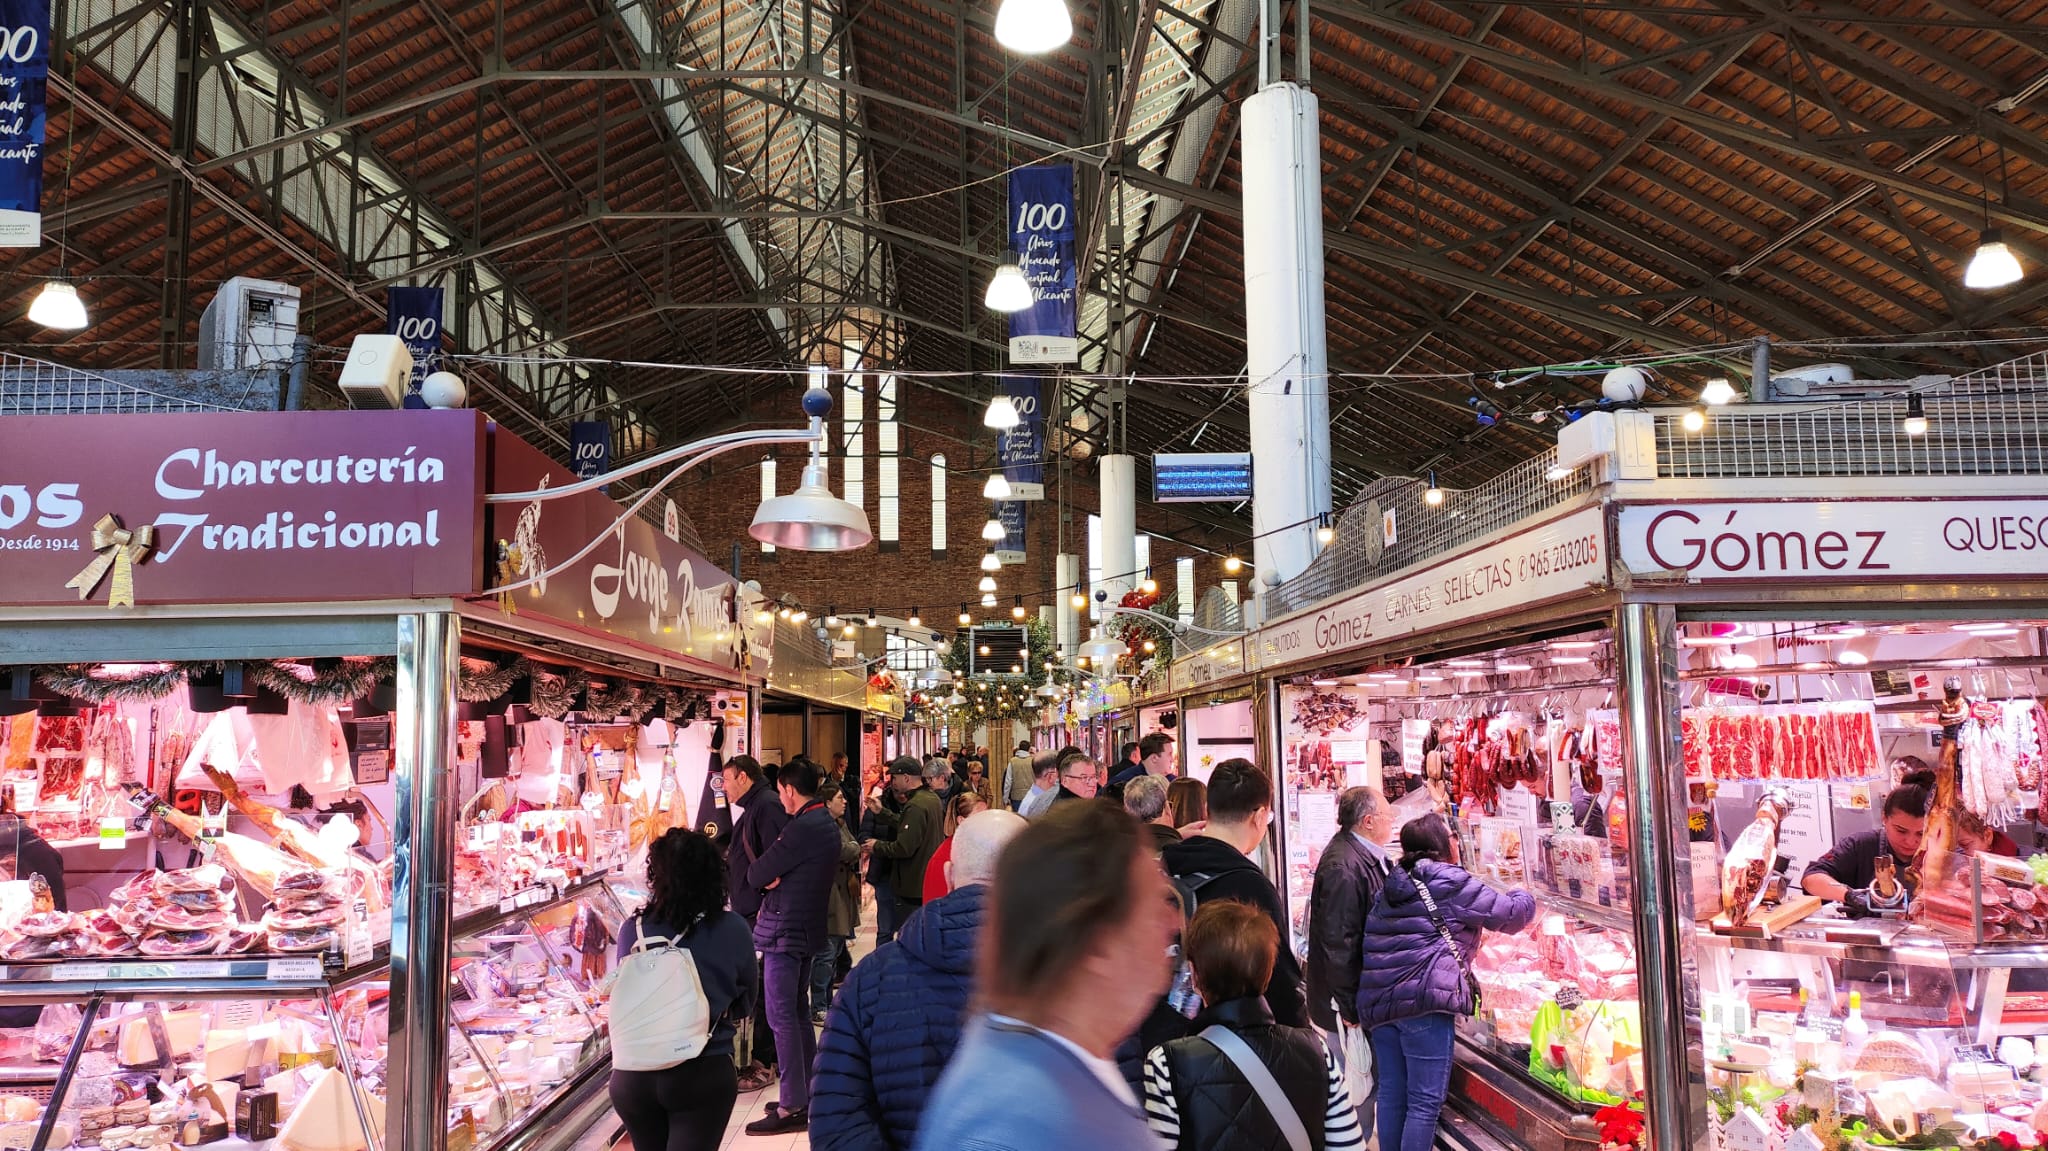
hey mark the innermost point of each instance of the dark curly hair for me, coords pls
(685, 879)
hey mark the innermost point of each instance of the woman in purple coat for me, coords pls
(1414, 978)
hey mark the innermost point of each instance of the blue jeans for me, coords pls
(823, 966)
(787, 985)
(1411, 1062)
(885, 912)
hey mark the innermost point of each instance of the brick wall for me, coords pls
(721, 497)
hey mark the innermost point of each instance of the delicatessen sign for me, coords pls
(636, 585)
(1837, 539)
(243, 507)
(1556, 559)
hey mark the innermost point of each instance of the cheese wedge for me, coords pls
(182, 1027)
(227, 1054)
(326, 1119)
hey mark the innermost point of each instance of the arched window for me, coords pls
(938, 503)
(1184, 587)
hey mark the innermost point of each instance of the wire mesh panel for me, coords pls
(30, 387)
(1361, 552)
(2007, 436)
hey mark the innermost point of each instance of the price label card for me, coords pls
(113, 833)
(358, 951)
(63, 972)
(165, 970)
(237, 1014)
(507, 906)
(302, 967)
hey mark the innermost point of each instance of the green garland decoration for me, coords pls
(77, 681)
(555, 692)
(485, 686)
(326, 682)
(606, 703)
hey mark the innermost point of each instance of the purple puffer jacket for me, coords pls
(1406, 970)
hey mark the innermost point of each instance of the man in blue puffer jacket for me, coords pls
(898, 1016)
(1412, 980)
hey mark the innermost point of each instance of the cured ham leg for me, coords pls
(301, 841)
(1749, 859)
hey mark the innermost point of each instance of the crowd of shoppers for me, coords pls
(1068, 960)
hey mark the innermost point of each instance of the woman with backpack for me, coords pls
(1243, 1081)
(1415, 975)
(682, 1106)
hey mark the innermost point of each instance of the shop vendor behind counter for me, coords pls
(1848, 872)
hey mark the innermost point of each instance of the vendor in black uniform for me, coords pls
(1845, 874)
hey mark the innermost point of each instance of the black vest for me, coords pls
(1219, 1109)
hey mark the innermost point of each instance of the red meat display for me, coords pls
(1835, 741)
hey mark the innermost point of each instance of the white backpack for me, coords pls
(658, 1014)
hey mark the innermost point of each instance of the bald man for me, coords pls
(898, 1016)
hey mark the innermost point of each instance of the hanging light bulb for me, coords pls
(1148, 585)
(1232, 564)
(831, 617)
(1433, 495)
(764, 616)
(992, 531)
(871, 620)
(1694, 420)
(1717, 391)
(58, 306)
(1324, 532)
(965, 618)
(998, 486)
(988, 583)
(1033, 27)
(916, 620)
(1915, 423)
(1992, 266)
(1078, 601)
(989, 562)
(1008, 289)
(1001, 414)
(1017, 610)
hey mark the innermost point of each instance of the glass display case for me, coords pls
(290, 1052)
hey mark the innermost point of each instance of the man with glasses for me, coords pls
(1079, 779)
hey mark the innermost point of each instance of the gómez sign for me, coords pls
(1566, 555)
(1837, 539)
(246, 507)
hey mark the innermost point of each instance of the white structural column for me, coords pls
(1119, 480)
(1066, 620)
(1286, 358)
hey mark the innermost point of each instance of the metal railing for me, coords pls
(1360, 554)
(31, 387)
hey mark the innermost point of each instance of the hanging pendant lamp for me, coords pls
(1033, 27)
(1008, 290)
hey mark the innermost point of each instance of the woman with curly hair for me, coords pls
(685, 1107)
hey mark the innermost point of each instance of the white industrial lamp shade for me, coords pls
(1103, 650)
(990, 563)
(1033, 26)
(1994, 265)
(811, 519)
(443, 390)
(997, 487)
(992, 531)
(1008, 290)
(58, 306)
(1001, 415)
(988, 583)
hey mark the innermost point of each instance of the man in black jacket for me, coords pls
(1215, 863)
(1347, 883)
(795, 878)
(758, 820)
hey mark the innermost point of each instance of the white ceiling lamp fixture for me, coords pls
(1033, 27)
(1102, 649)
(811, 518)
(1993, 265)
(988, 583)
(989, 562)
(1717, 392)
(998, 485)
(1433, 495)
(58, 306)
(988, 599)
(1915, 423)
(992, 531)
(1694, 420)
(1001, 414)
(1009, 291)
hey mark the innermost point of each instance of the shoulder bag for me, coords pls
(1457, 953)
